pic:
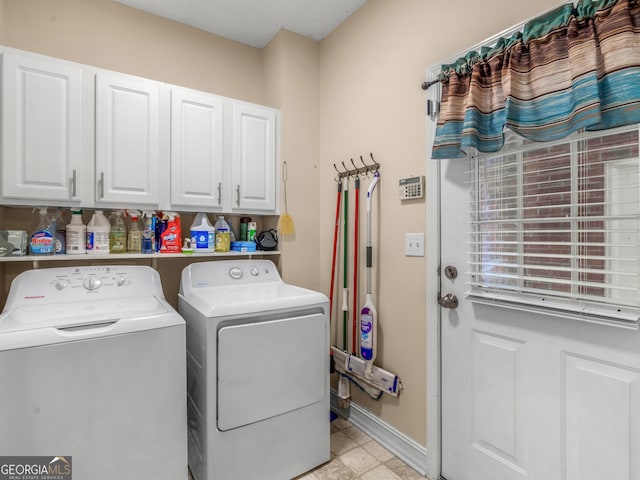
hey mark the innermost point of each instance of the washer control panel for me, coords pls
(76, 283)
(92, 278)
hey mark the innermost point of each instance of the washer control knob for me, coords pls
(121, 280)
(61, 284)
(235, 273)
(254, 271)
(92, 283)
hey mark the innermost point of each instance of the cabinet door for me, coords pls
(127, 140)
(253, 156)
(196, 150)
(41, 129)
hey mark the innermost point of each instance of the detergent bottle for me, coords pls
(202, 234)
(76, 235)
(42, 240)
(118, 234)
(223, 237)
(98, 230)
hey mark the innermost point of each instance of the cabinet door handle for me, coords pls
(101, 185)
(238, 195)
(219, 193)
(73, 184)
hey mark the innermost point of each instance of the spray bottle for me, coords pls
(118, 234)
(171, 236)
(134, 238)
(42, 240)
(60, 228)
(149, 232)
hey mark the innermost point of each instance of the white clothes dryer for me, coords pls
(257, 372)
(92, 368)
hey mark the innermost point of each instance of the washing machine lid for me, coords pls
(44, 324)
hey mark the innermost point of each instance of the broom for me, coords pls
(286, 222)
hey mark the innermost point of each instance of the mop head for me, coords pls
(354, 368)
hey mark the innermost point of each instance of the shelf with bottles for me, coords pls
(17, 218)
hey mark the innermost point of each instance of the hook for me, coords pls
(377, 165)
(366, 167)
(339, 174)
(356, 170)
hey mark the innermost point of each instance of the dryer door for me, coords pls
(270, 368)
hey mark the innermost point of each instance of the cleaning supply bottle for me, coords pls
(76, 235)
(134, 239)
(171, 236)
(118, 234)
(60, 228)
(98, 230)
(202, 234)
(42, 240)
(149, 232)
(223, 240)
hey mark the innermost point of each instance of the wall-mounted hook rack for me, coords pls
(356, 171)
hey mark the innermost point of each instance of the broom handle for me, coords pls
(345, 291)
(354, 326)
(336, 228)
(372, 186)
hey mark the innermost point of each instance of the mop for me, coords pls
(361, 371)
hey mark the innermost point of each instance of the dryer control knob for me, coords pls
(121, 280)
(92, 283)
(235, 273)
(60, 284)
(254, 271)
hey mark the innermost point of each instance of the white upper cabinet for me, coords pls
(253, 157)
(196, 150)
(76, 135)
(42, 139)
(128, 118)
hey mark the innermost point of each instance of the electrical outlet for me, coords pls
(414, 244)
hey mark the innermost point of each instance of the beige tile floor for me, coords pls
(355, 456)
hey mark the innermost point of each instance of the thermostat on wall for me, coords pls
(412, 187)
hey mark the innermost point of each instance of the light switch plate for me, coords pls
(414, 244)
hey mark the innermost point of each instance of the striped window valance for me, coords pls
(577, 67)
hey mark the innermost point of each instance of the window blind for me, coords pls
(556, 225)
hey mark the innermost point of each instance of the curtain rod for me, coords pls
(426, 85)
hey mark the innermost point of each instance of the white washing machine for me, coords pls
(257, 372)
(92, 367)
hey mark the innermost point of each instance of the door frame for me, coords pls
(433, 310)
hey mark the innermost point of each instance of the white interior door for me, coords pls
(528, 395)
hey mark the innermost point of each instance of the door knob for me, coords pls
(448, 301)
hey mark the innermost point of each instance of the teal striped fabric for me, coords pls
(573, 68)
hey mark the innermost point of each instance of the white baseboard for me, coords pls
(403, 447)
